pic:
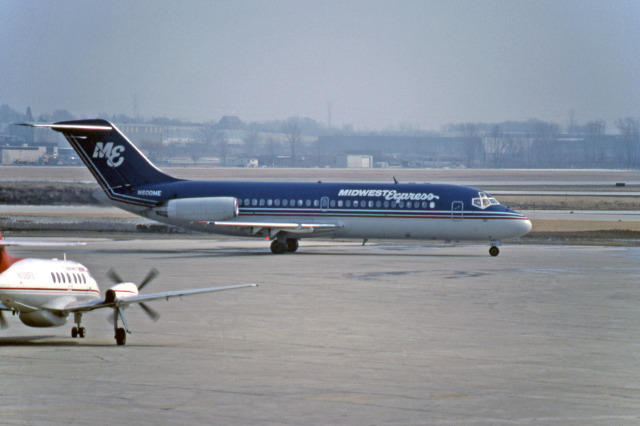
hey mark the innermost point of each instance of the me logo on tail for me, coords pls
(110, 152)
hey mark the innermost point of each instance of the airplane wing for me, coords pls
(15, 243)
(141, 298)
(274, 227)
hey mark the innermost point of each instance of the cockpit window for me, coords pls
(484, 200)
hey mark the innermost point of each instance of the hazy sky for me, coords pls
(373, 64)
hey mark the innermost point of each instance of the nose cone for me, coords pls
(523, 227)
(520, 225)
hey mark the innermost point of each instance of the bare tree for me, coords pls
(222, 145)
(546, 144)
(630, 130)
(292, 130)
(250, 143)
(472, 144)
(498, 143)
(593, 143)
(206, 134)
(271, 149)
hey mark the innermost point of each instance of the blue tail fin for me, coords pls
(114, 161)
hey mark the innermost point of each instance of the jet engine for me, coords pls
(204, 208)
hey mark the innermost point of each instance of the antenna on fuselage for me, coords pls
(395, 180)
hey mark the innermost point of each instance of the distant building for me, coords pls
(397, 151)
(142, 134)
(229, 122)
(22, 154)
(354, 161)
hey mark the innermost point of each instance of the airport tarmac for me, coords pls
(337, 333)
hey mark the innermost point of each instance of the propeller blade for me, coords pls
(3, 322)
(154, 315)
(114, 276)
(150, 276)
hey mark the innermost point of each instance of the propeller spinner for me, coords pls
(151, 313)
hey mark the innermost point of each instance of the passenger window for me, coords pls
(393, 204)
(432, 205)
(285, 203)
(69, 277)
(292, 203)
(53, 277)
(261, 202)
(300, 203)
(254, 202)
(63, 280)
(276, 202)
(409, 204)
(386, 204)
(308, 203)
(340, 203)
(356, 203)
(378, 204)
(332, 203)
(347, 203)
(370, 203)
(316, 203)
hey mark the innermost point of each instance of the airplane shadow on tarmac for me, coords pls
(58, 341)
(309, 251)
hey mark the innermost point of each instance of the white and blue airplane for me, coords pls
(285, 212)
(44, 292)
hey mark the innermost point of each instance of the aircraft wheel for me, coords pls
(494, 251)
(121, 336)
(292, 245)
(74, 332)
(278, 248)
(82, 332)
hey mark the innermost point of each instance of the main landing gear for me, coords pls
(78, 331)
(121, 332)
(279, 247)
(494, 251)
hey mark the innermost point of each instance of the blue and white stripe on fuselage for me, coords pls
(418, 211)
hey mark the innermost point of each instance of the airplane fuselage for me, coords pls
(29, 284)
(362, 210)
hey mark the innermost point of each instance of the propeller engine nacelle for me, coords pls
(42, 319)
(120, 291)
(202, 208)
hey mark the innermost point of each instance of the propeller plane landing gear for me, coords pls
(494, 251)
(78, 331)
(120, 332)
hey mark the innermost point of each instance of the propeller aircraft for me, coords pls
(44, 292)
